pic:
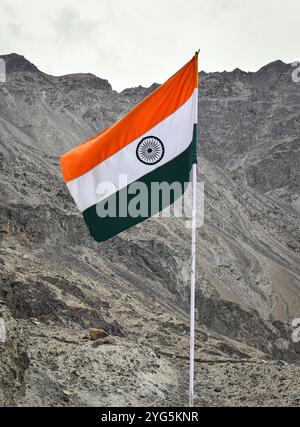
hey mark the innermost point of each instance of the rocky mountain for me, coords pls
(56, 283)
(257, 114)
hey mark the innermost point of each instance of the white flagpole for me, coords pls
(193, 291)
(193, 285)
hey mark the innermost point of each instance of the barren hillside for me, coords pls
(56, 283)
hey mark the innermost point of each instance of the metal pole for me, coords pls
(193, 291)
(193, 284)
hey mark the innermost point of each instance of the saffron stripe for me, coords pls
(151, 111)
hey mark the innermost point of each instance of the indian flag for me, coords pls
(155, 142)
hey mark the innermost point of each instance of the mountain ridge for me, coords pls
(56, 282)
(17, 62)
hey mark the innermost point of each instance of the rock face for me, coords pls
(56, 284)
(251, 126)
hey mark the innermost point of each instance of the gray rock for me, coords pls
(136, 286)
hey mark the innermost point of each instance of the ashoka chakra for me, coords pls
(150, 150)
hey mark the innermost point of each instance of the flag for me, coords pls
(155, 142)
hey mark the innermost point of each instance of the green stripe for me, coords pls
(177, 170)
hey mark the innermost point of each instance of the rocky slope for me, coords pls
(257, 114)
(56, 282)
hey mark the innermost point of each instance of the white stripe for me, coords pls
(176, 133)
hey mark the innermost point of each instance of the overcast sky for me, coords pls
(133, 42)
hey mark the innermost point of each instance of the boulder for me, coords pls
(96, 334)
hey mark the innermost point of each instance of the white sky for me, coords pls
(133, 42)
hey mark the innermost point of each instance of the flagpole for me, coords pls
(193, 284)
